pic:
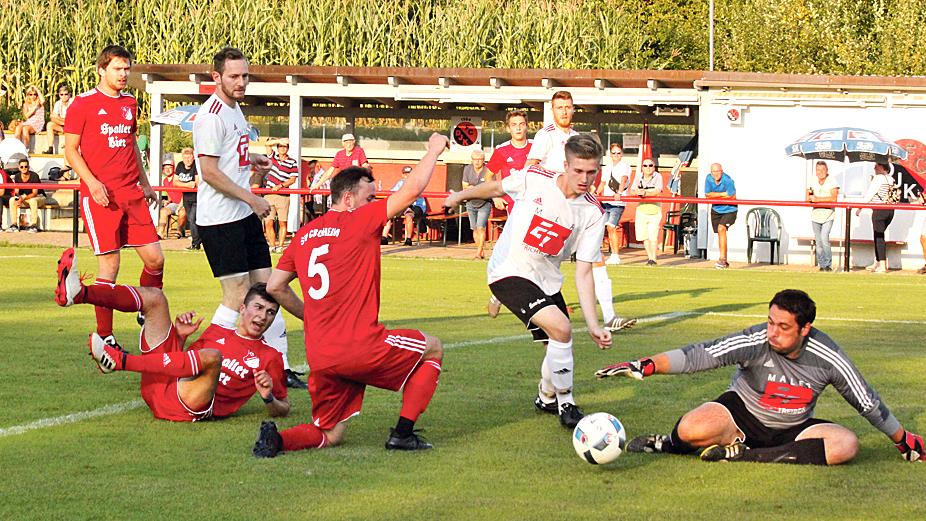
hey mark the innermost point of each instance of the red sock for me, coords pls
(151, 279)
(420, 388)
(182, 364)
(104, 315)
(304, 436)
(110, 296)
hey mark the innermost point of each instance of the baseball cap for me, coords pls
(167, 161)
(348, 137)
(407, 170)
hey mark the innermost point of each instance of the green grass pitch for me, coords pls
(495, 457)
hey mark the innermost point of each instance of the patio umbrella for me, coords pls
(845, 143)
(184, 116)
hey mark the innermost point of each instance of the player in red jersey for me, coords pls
(510, 155)
(337, 260)
(215, 376)
(99, 133)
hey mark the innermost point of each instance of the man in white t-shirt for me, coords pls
(554, 216)
(228, 215)
(823, 189)
(618, 174)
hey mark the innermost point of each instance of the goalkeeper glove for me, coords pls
(911, 447)
(637, 369)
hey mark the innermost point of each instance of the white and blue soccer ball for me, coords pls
(599, 438)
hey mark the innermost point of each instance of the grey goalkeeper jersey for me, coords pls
(781, 392)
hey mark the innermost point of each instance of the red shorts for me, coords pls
(125, 222)
(337, 391)
(161, 393)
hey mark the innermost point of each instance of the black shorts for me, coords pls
(524, 298)
(757, 434)
(235, 247)
(726, 219)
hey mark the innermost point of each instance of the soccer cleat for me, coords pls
(542, 406)
(269, 442)
(107, 358)
(569, 415)
(110, 340)
(493, 307)
(651, 443)
(731, 452)
(293, 381)
(618, 323)
(69, 285)
(410, 442)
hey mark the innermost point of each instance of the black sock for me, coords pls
(676, 445)
(404, 427)
(803, 452)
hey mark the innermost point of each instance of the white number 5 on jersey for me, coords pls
(316, 268)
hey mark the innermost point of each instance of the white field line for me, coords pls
(135, 404)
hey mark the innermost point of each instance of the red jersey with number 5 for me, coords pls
(337, 260)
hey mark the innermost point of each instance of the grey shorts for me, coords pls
(478, 217)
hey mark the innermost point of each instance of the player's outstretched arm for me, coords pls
(279, 288)
(486, 190)
(419, 177)
(585, 284)
(636, 369)
(909, 444)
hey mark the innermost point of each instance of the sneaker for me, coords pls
(921, 271)
(269, 442)
(410, 442)
(408, 242)
(493, 307)
(107, 358)
(13, 229)
(192, 248)
(722, 265)
(140, 318)
(873, 267)
(33, 229)
(68, 279)
(828, 268)
(542, 406)
(650, 262)
(618, 323)
(383, 241)
(50, 150)
(293, 381)
(613, 259)
(880, 269)
(569, 415)
(649, 444)
(731, 452)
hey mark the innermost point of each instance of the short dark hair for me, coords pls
(515, 113)
(23, 160)
(562, 94)
(313, 162)
(824, 165)
(259, 289)
(584, 146)
(110, 52)
(798, 303)
(225, 54)
(347, 181)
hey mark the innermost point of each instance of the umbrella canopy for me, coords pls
(839, 144)
(184, 116)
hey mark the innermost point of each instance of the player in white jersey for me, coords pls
(229, 215)
(554, 216)
(547, 151)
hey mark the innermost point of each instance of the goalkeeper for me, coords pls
(766, 415)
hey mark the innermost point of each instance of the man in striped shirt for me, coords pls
(283, 173)
(766, 415)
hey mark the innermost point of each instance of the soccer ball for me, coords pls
(599, 438)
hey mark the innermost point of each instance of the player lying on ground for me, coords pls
(219, 372)
(337, 260)
(766, 415)
(554, 216)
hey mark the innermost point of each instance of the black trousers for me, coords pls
(189, 205)
(880, 220)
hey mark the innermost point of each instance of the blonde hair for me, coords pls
(40, 98)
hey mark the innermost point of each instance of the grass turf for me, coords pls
(495, 457)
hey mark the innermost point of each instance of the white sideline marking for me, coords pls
(135, 404)
(71, 418)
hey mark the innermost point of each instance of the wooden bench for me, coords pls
(840, 242)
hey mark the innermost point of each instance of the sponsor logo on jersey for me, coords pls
(220, 341)
(509, 160)
(166, 360)
(785, 397)
(545, 237)
(768, 363)
(127, 113)
(234, 366)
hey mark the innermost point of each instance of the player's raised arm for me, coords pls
(279, 288)
(419, 177)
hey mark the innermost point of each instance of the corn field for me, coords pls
(48, 42)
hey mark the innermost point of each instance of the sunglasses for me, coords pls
(24, 167)
(64, 93)
(282, 146)
(649, 166)
(33, 94)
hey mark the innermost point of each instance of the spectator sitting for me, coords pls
(58, 113)
(32, 197)
(283, 173)
(412, 214)
(11, 151)
(171, 202)
(33, 115)
(351, 155)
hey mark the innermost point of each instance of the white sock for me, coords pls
(276, 337)
(225, 317)
(603, 292)
(561, 366)
(546, 390)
